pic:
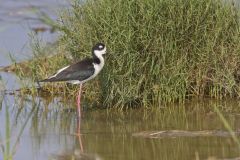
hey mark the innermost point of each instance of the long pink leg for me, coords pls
(79, 101)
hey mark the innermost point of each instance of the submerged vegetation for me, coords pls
(158, 51)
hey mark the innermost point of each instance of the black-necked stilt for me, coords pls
(82, 71)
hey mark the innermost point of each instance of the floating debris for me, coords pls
(76, 154)
(42, 29)
(15, 66)
(182, 133)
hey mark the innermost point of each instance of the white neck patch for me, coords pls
(100, 53)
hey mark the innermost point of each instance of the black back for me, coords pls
(78, 71)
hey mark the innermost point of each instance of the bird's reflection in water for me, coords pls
(79, 134)
(76, 153)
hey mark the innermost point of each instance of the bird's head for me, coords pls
(99, 49)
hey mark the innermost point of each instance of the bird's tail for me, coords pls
(51, 79)
(44, 80)
(47, 80)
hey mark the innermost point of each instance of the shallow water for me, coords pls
(35, 128)
(51, 132)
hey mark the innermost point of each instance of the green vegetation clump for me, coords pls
(159, 51)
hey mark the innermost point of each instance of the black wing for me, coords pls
(78, 71)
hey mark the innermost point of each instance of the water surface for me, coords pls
(51, 132)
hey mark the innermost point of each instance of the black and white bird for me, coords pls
(81, 71)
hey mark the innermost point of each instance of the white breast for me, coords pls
(98, 67)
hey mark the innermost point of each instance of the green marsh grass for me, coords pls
(158, 51)
(227, 126)
(9, 143)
